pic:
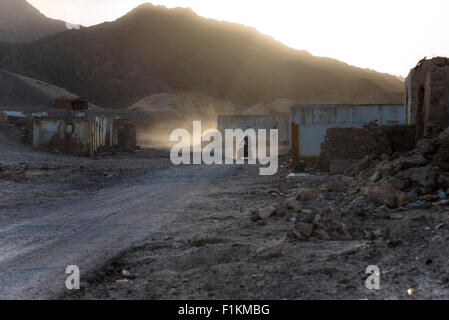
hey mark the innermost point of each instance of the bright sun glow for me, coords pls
(384, 35)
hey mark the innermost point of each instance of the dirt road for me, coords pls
(39, 242)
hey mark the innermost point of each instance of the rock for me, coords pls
(426, 176)
(384, 157)
(442, 194)
(20, 179)
(254, 216)
(382, 210)
(416, 205)
(414, 161)
(358, 206)
(321, 234)
(365, 191)
(443, 181)
(2, 168)
(267, 212)
(281, 198)
(336, 187)
(385, 193)
(304, 194)
(442, 203)
(306, 216)
(281, 211)
(121, 281)
(430, 198)
(292, 203)
(426, 146)
(385, 168)
(126, 274)
(403, 199)
(360, 166)
(297, 235)
(375, 177)
(369, 235)
(304, 228)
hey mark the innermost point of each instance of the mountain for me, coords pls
(21, 22)
(153, 49)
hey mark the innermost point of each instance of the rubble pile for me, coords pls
(374, 140)
(327, 207)
(310, 210)
(414, 179)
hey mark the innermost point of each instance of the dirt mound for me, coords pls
(17, 93)
(196, 103)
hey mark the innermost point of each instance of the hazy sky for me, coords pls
(385, 35)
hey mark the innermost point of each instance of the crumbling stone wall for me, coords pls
(356, 143)
(427, 94)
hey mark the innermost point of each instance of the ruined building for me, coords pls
(427, 96)
(309, 125)
(83, 136)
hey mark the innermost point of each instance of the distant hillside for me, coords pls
(154, 49)
(17, 94)
(21, 22)
(20, 93)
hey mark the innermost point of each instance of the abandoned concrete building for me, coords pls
(84, 136)
(69, 103)
(309, 125)
(427, 96)
(73, 135)
(256, 122)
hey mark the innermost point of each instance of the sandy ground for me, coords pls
(140, 228)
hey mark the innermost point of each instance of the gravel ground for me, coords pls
(140, 228)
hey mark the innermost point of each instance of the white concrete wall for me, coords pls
(256, 122)
(313, 121)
